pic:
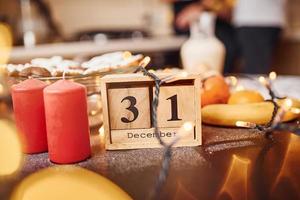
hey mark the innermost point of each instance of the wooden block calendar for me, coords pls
(127, 110)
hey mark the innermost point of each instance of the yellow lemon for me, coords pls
(245, 96)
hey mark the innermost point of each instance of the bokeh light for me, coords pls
(5, 43)
(67, 182)
(10, 149)
(272, 75)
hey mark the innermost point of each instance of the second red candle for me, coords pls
(67, 122)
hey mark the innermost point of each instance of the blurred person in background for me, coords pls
(259, 24)
(249, 29)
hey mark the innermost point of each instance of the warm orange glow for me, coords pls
(5, 43)
(290, 164)
(1, 88)
(2, 68)
(102, 136)
(183, 193)
(231, 3)
(10, 149)
(67, 182)
(94, 105)
(236, 181)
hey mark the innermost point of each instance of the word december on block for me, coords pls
(127, 115)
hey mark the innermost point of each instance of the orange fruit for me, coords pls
(215, 91)
(245, 96)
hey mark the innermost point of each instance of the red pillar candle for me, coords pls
(67, 122)
(28, 104)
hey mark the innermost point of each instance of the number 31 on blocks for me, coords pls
(127, 111)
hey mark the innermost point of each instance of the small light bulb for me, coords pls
(245, 124)
(101, 131)
(295, 110)
(239, 88)
(288, 103)
(185, 130)
(94, 112)
(240, 123)
(272, 76)
(262, 80)
(1, 89)
(48, 82)
(145, 61)
(233, 80)
(188, 126)
(184, 74)
(102, 135)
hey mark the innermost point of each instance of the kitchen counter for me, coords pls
(88, 48)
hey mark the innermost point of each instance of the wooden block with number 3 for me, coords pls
(176, 105)
(129, 108)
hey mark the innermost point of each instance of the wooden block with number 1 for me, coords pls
(176, 105)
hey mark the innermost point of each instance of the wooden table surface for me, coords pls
(196, 172)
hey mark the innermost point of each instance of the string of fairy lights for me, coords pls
(273, 125)
(187, 126)
(278, 113)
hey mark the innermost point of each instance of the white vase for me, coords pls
(203, 52)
